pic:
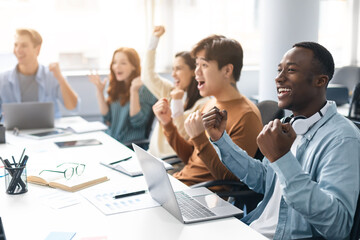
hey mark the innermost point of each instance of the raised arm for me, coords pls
(182, 147)
(248, 170)
(100, 86)
(158, 86)
(68, 94)
(206, 151)
(326, 199)
(135, 106)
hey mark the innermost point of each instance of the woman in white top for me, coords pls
(183, 92)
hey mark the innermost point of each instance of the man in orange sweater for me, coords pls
(219, 61)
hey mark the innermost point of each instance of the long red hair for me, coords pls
(114, 90)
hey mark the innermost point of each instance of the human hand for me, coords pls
(177, 93)
(162, 111)
(95, 79)
(55, 69)
(275, 139)
(136, 83)
(158, 31)
(214, 122)
(193, 124)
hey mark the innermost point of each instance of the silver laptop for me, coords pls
(188, 206)
(28, 115)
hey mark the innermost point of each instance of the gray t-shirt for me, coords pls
(29, 88)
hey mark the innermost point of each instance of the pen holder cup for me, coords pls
(15, 179)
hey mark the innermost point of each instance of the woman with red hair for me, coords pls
(127, 108)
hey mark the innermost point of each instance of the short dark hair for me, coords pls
(193, 93)
(222, 50)
(322, 56)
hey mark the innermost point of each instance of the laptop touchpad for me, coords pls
(210, 200)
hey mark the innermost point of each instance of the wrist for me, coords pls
(60, 78)
(216, 137)
(167, 124)
(134, 90)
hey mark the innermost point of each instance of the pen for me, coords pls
(129, 194)
(122, 160)
(24, 160)
(22, 155)
(5, 163)
(13, 160)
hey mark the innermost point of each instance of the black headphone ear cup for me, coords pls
(286, 120)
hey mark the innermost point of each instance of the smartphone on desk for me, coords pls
(47, 133)
(78, 143)
(42, 133)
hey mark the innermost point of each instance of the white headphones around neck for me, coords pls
(301, 124)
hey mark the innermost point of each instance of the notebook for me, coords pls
(28, 115)
(188, 206)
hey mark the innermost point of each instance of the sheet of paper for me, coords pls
(88, 127)
(104, 201)
(60, 236)
(57, 199)
(94, 238)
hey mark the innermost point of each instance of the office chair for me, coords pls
(269, 111)
(348, 76)
(355, 230)
(144, 143)
(239, 194)
(338, 93)
(354, 108)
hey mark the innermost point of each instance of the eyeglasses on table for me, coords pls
(69, 172)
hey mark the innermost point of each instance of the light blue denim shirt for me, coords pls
(49, 88)
(320, 185)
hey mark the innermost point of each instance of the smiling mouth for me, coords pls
(282, 91)
(200, 84)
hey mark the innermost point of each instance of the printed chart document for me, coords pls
(103, 199)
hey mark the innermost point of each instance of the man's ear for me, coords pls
(228, 70)
(38, 47)
(322, 80)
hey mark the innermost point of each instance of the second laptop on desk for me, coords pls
(28, 115)
(188, 206)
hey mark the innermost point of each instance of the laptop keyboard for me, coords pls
(190, 208)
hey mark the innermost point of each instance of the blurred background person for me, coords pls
(30, 81)
(183, 92)
(127, 108)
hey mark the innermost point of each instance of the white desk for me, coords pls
(25, 217)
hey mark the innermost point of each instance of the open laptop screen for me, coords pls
(28, 115)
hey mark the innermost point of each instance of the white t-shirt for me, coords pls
(267, 222)
(177, 106)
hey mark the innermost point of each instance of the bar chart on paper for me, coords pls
(104, 200)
